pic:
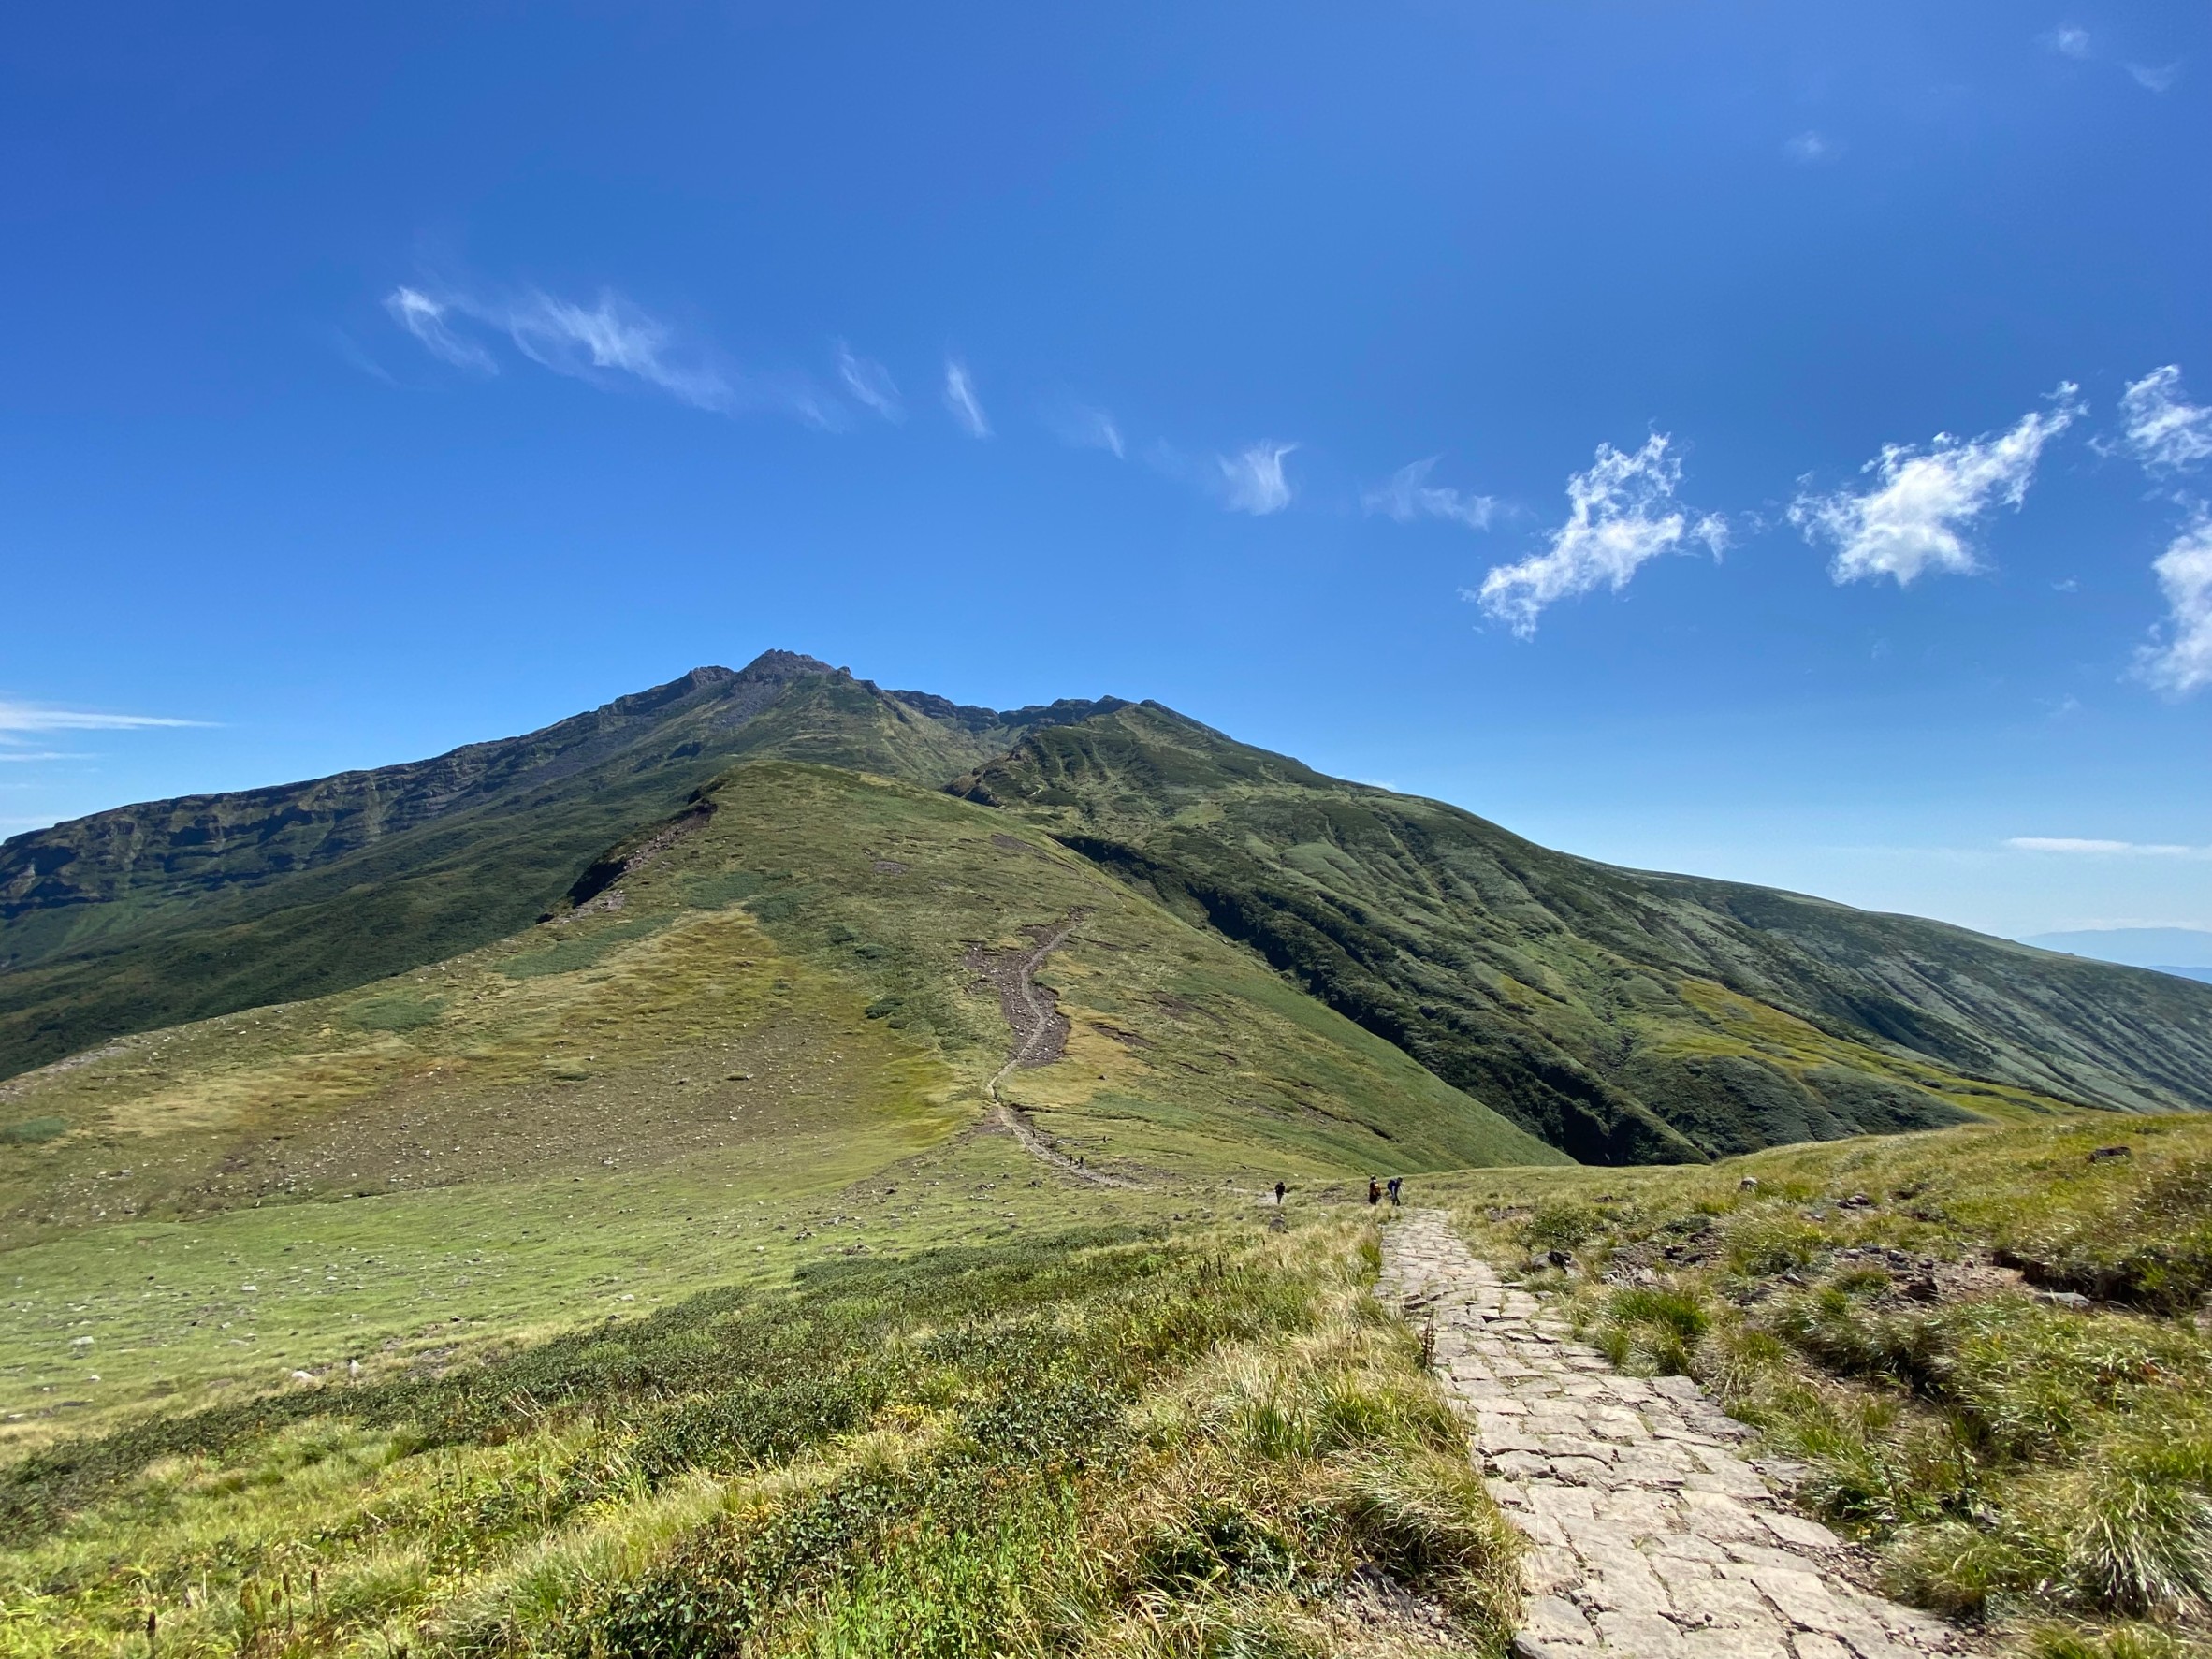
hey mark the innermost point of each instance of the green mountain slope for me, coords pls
(1617, 1015)
(146, 915)
(777, 994)
(1624, 1016)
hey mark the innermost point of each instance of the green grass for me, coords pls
(766, 1037)
(1874, 1308)
(1110, 1442)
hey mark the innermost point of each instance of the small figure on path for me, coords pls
(1279, 1190)
(1373, 1190)
(1395, 1182)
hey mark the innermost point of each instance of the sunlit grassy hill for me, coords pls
(142, 916)
(767, 1006)
(1621, 1015)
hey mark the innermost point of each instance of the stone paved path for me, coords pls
(1649, 1536)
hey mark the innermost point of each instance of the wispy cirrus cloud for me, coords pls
(2087, 847)
(870, 383)
(1810, 147)
(1253, 480)
(2157, 77)
(1622, 514)
(2181, 661)
(1082, 426)
(1917, 516)
(2165, 431)
(40, 717)
(1407, 495)
(427, 319)
(2067, 41)
(609, 342)
(961, 402)
(612, 336)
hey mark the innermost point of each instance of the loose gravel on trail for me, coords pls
(1040, 1036)
(1649, 1536)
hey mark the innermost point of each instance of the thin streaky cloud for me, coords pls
(42, 755)
(2165, 431)
(602, 343)
(2181, 663)
(961, 402)
(349, 349)
(1621, 513)
(870, 383)
(1916, 516)
(2085, 846)
(36, 716)
(1094, 428)
(1253, 481)
(2155, 78)
(426, 319)
(1407, 496)
(585, 341)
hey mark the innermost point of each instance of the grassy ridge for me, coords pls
(150, 915)
(1097, 1444)
(1981, 1351)
(1619, 1016)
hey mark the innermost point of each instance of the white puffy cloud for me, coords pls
(870, 383)
(1915, 517)
(961, 402)
(1621, 513)
(1407, 495)
(1252, 479)
(2182, 661)
(2165, 431)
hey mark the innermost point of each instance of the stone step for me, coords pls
(1650, 1535)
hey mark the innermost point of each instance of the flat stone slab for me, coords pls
(1649, 1536)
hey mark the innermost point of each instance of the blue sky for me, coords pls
(1536, 406)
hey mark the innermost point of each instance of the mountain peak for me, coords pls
(773, 665)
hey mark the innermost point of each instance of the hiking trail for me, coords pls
(1649, 1536)
(1040, 1037)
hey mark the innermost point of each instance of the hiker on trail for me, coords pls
(1279, 1195)
(1373, 1190)
(1395, 1179)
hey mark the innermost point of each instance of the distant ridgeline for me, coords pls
(1619, 1015)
